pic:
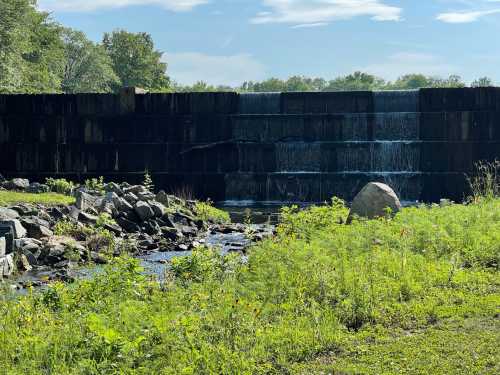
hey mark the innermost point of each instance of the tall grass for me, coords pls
(321, 296)
(485, 182)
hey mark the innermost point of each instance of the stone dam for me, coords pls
(257, 148)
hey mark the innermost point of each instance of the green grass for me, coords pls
(418, 294)
(12, 197)
(207, 212)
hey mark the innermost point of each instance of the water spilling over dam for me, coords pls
(257, 148)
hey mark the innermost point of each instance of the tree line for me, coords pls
(352, 82)
(38, 55)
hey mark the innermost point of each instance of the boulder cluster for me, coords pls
(136, 219)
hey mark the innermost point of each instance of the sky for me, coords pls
(231, 41)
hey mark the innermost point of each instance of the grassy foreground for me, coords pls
(13, 197)
(419, 294)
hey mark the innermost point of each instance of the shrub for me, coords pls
(207, 212)
(60, 185)
(95, 184)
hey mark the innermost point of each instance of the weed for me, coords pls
(60, 185)
(148, 181)
(205, 211)
(485, 183)
(95, 184)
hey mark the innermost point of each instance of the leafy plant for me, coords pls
(95, 184)
(205, 211)
(60, 185)
(148, 181)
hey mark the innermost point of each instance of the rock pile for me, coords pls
(137, 220)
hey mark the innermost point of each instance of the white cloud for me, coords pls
(309, 25)
(314, 12)
(91, 5)
(402, 63)
(190, 67)
(465, 17)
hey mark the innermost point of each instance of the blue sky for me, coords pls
(230, 41)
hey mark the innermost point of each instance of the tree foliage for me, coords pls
(135, 60)
(31, 49)
(88, 68)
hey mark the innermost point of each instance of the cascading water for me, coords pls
(288, 156)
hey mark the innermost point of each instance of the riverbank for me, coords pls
(48, 236)
(416, 294)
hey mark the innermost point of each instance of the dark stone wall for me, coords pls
(257, 147)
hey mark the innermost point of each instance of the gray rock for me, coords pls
(37, 228)
(17, 229)
(7, 213)
(127, 225)
(24, 209)
(162, 197)
(74, 212)
(122, 205)
(172, 234)
(7, 265)
(146, 196)
(24, 263)
(37, 188)
(17, 184)
(373, 200)
(3, 246)
(135, 189)
(151, 227)
(144, 211)
(108, 208)
(159, 209)
(131, 198)
(84, 201)
(86, 218)
(113, 188)
(32, 258)
(113, 228)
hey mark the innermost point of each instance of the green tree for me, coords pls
(355, 82)
(88, 68)
(483, 82)
(453, 81)
(135, 60)
(31, 50)
(411, 81)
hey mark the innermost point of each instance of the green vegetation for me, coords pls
(207, 212)
(417, 294)
(60, 185)
(13, 197)
(148, 181)
(38, 55)
(96, 237)
(95, 184)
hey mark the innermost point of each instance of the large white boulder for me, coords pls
(373, 200)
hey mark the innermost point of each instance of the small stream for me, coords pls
(234, 238)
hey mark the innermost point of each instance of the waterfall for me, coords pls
(298, 157)
(312, 156)
(260, 103)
